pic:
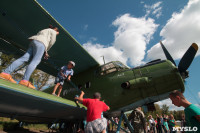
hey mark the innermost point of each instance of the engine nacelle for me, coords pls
(134, 83)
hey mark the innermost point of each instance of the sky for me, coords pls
(130, 31)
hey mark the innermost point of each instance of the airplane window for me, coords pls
(108, 68)
(111, 70)
(111, 65)
(120, 65)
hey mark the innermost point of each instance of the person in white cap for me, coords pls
(65, 73)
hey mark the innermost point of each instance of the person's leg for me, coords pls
(160, 128)
(55, 88)
(104, 124)
(6, 73)
(88, 128)
(104, 131)
(170, 128)
(59, 91)
(38, 51)
(154, 129)
(20, 61)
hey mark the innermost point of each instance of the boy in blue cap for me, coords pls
(65, 73)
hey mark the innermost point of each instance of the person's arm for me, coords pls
(46, 55)
(142, 117)
(52, 39)
(105, 107)
(198, 118)
(70, 75)
(80, 98)
(69, 78)
(174, 122)
(165, 128)
(61, 72)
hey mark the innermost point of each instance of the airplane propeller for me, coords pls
(188, 57)
(185, 61)
(168, 56)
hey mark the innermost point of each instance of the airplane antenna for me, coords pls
(103, 60)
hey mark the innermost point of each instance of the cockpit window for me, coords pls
(120, 65)
(108, 68)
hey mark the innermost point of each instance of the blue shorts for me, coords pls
(59, 80)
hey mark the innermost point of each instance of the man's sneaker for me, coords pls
(26, 83)
(7, 77)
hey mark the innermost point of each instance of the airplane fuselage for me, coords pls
(146, 84)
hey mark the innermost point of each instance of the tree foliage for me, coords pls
(5, 60)
(164, 110)
(41, 79)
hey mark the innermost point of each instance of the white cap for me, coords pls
(72, 63)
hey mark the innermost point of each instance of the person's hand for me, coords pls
(76, 97)
(46, 56)
(82, 92)
(65, 76)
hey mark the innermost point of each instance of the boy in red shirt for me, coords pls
(95, 107)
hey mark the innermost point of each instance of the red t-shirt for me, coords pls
(94, 108)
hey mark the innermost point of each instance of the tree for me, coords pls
(165, 109)
(41, 79)
(5, 60)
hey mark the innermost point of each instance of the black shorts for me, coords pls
(59, 80)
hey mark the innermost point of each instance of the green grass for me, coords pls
(6, 124)
(36, 126)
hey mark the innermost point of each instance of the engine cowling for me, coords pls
(134, 83)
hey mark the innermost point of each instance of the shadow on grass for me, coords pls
(13, 127)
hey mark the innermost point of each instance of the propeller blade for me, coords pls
(168, 56)
(188, 58)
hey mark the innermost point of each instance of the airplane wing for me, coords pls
(21, 19)
(27, 105)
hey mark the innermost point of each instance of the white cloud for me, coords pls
(168, 102)
(93, 38)
(130, 40)
(109, 53)
(132, 36)
(85, 27)
(180, 32)
(154, 9)
(199, 94)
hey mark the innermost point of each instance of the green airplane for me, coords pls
(122, 88)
